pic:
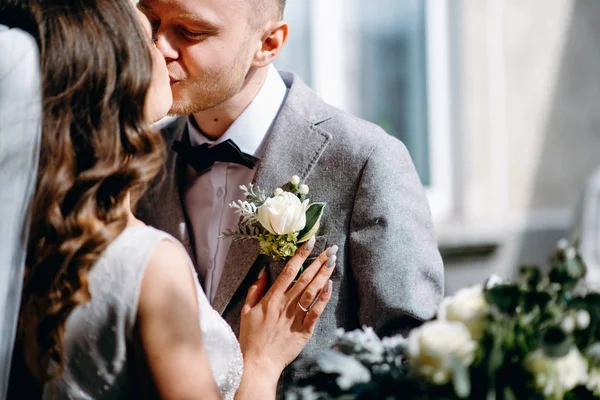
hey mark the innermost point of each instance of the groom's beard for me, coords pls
(195, 94)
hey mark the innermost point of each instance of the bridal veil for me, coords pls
(20, 131)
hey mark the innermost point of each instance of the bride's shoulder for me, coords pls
(168, 270)
(169, 292)
(168, 254)
(141, 248)
(163, 254)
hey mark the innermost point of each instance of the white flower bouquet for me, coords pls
(281, 222)
(535, 338)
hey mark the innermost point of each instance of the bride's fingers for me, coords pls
(309, 273)
(289, 272)
(317, 309)
(311, 292)
(255, 292)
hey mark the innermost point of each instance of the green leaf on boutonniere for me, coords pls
(313, 218)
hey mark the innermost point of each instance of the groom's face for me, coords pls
(209, 46)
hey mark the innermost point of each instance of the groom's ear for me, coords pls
(272, 42)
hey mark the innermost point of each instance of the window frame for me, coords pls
(329, 79)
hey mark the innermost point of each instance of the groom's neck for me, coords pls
(215, 121)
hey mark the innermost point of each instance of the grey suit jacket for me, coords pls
(389, 272)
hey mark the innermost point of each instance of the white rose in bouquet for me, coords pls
(555, 376)
(467, 306)
(593, 383)
(435, 348)
(283, 214)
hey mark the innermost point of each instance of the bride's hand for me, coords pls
(276, 327)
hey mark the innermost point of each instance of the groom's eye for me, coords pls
(155, 25)
(193, 35)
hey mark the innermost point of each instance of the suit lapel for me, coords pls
(169, 197)
(292, 148)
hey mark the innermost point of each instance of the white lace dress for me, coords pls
(99, 335)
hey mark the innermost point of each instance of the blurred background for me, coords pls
(496, 100)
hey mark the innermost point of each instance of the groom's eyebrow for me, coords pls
(144, 8)
(185, 16)
(195, 18)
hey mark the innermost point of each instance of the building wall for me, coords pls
(527, 109)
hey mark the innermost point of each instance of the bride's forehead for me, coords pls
(144, 22)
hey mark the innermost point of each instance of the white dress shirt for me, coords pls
(207, 196)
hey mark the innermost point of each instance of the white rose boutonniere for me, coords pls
(281, 222)
(283, 214)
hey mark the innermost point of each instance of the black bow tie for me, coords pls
(204, 156)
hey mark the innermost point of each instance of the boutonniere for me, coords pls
(281, 222)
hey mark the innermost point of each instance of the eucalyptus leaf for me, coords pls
(351, 372)
(461, 379)
(509, 394)
(579, 393)
(534, 299)
(556, 343)
(504, 296)
(575, 268)
(593, 353)
(530, 275)
(313, 218)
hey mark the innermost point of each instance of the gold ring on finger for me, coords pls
(303, 308)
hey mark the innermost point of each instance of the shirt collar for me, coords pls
(250, 128)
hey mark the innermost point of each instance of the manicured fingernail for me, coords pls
(329, 286)
(331, 261)
(310, 244)
(331, 251)
(262, 271)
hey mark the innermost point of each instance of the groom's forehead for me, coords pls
(201, 9)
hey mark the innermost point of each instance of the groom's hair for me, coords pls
(264, 9)
(281, 4)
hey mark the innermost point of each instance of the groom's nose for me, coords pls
(166, 45)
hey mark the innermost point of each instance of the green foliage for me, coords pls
(278, 247)
(538, 313)
(313, 218)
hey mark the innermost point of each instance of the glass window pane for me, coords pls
(296, 56)
(385, 66)
(390, 65)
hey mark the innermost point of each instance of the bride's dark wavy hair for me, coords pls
(96, 148)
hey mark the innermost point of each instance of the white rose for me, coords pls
(593, 383)
(283, 214)
(278, 191)
(556, 376)
(568, 324)
(467, 306)
(434, 347)
(295, 180)
(582, 319)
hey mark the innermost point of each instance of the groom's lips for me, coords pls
(173, 80)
